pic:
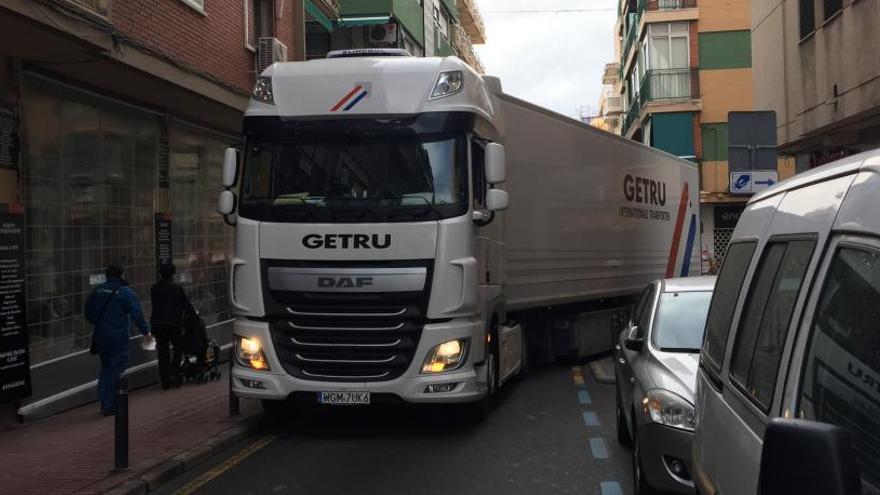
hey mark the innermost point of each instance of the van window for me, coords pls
(840, 383)
(757, 349)
(727, 289)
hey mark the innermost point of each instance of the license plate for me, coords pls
(344, 398)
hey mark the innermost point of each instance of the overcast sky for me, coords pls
(552, 59)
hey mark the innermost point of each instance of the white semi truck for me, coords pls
(397, 216)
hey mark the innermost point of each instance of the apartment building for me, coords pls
(683, 66)
(816, 65)
(423, 28)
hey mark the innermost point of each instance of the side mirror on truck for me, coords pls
(496, 167)
(806, 457)
(497, 200)
(226, 203)
(230, 167)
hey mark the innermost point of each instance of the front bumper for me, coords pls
(659, 446)
(277, 384)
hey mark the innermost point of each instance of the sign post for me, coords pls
(15, 379)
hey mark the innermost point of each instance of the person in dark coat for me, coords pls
(170, 304)
(112, 307)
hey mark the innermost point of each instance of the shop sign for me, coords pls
(726, 217)
(15, 379)
(164, 256)
(8, 136)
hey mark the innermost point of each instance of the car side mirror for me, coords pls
(802, 457)
(497, 200)
(496, 167)
(230, 167)
(632, 341)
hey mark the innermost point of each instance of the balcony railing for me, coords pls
(663, 85)
(655, 5)
(669, 84)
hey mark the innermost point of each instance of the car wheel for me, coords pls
(640, 484)
(622, 431)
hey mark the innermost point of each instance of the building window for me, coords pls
(668, 46)
(808, 17)
(264, 18)
(832, 7)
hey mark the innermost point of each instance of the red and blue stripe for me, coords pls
(676, 237)
(351, 99)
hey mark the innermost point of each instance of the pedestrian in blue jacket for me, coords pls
(111, 307)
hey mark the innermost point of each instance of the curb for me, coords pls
(187, 460)
(603, 370)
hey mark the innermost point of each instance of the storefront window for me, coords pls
(91, 186)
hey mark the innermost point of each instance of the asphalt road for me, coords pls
(541, 438)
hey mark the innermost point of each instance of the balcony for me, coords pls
(663, 86)
(329, 8)
(462, 44)
(659, 5)
(471, 20)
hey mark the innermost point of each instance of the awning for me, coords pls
(362, 20)
(319, 16)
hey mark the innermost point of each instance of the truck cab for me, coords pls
(363, 198)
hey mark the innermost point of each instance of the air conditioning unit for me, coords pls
(269, 51)
(383, 33)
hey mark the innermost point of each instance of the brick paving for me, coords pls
(72, 452)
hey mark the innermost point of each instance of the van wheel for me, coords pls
(622, 431)
(640, 484)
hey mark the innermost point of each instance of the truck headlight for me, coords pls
(263, 90)
(445, 357)
(448, 84)
(249, 353)
(669, 409)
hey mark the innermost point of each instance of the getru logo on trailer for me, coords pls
(361, 91)
(347, 241)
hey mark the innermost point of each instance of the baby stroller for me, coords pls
(201, 355)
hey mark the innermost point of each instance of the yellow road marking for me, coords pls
(218, 470)
(578, 380)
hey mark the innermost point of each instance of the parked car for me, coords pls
(793, 332)
(656, 367)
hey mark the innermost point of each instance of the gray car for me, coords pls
(656, 364)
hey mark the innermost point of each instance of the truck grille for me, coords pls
(346, 336)
(347, 343)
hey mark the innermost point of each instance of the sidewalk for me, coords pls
(72, 452)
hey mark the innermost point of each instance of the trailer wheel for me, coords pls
(524, 354)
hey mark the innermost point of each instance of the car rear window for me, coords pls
(680, 321)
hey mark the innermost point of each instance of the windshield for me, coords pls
(680, 321)
(358, 179)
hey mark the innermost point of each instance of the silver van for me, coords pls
(788, 390)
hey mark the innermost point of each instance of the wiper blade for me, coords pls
(689, 350)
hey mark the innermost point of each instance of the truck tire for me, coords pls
(481, 409)
(524, 350)
(276, 411)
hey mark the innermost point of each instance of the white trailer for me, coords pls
(374, 260)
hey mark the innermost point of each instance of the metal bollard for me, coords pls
(121, 446)
(234, 406)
